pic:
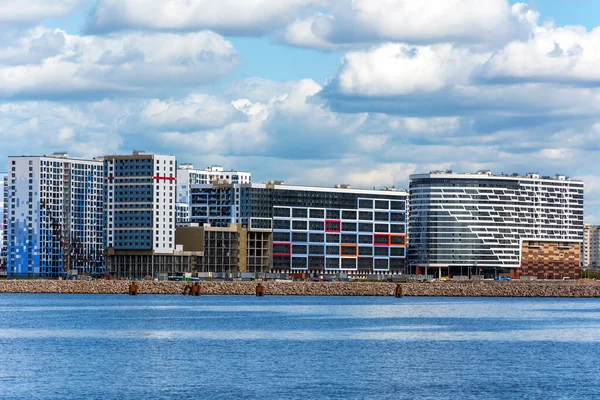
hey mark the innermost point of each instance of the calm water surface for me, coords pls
(225, 347)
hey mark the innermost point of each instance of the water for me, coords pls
(211, 347)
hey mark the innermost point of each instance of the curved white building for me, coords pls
(483, 223)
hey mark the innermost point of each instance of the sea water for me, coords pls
(226, 347)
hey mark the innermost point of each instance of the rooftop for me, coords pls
(280, 185)
(488, 174)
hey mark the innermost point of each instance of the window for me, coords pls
(382, 216)
(315, 225)
(299, 213)
(315, 249)
(333, 250)
(382, 205)
(365, 203)
(365, 215)
(317, 214)
(348, 226)
(299, 249)
(365, 239)
(365, 227)
(333, 214)
(299, 237)
(381, 228)
(333, 238)
(381, 251)
(299, 225)
(317, 237)
(349, 238)
(349, 214)
(365, 251)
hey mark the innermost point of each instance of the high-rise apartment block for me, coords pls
(590, 249)
(187, 176)
(4, 194)
(477, 223)
(53, 216)
(140, 202)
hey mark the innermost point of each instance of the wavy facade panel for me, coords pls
(480, 220)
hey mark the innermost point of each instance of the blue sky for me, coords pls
(363, 92)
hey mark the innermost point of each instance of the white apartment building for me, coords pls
(490, 222)
(53, 216)
(3, 193)
(187, 176)
(140, 202)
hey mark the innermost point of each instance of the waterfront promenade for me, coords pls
(571, 289)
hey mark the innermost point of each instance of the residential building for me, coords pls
(187, 176)
(53, 216)
(590, 250)
(481, 223)
(140, 202)
(4, 194)
(314, 229)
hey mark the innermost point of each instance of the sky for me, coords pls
(321, 92)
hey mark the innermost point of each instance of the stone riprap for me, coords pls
(447, 289)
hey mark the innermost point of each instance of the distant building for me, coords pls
(187, 176)
(140, 198)
(590, 250)
(53, 216)
(483, 223)
(140, 202)
(314, 229)
(4, 194)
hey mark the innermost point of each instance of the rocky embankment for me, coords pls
(449, 289)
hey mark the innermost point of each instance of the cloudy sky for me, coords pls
(363, 92)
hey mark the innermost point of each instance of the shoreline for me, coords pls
(573, 289)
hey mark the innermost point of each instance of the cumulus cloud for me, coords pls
(553, 54)
(441, 80)
(52, 63)
(41, 127)
(33, 11)
(249, 17)
(396, 69)
(350, 22)
(196, 111)
(324, 24)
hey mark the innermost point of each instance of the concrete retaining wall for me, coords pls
(449, 289)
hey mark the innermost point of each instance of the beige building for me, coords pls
(590, 251)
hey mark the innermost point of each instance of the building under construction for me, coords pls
(224, 250)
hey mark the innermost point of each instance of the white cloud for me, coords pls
(568, 54)
(252, 17)
(196, 111)
(66, 134)
(32, 11)
(427, 21)
(383, 174)
(303, 33)
(396, 69)
(35, 127)
(91, 65)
